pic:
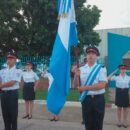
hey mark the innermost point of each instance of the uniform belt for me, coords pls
(9, 91)
(95, 96)
(122, 88)
(29, 82)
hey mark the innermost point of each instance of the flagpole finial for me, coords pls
(64, 7)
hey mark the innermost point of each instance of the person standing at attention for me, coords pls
(10, 78)
(29, 82)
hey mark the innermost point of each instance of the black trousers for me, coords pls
(93, 112)
(9, 105)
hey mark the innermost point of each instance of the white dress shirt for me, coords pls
(121, 82)
(9, 74)
(101, 76)
(29, 76)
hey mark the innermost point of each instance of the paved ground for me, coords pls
(70, 119)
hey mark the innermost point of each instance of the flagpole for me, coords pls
(77, 62)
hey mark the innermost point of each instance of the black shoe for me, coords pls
(119, 125)
(26, 116)
(56, 119)
(30, 117)
(125, 126)
(53, 119)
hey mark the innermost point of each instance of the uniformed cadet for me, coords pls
(10, 78)
(122, 94)
(93, 82)
(30, 82)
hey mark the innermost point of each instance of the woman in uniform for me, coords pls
(30, 82)
(122, 94)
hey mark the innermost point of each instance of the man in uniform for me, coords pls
(93, 79)
(9, 84)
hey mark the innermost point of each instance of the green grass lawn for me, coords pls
(73, 95)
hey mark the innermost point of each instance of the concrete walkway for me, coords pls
(70, 119)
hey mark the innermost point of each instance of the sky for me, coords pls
(115, 13)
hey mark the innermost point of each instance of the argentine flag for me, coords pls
(59, 67)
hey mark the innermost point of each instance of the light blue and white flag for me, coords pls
(59, 67)
(64, 7)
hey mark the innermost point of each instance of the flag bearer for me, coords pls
(93, 82)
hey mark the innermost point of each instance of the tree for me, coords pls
(41, 22)
(30, 26)
(10, 24)
(87, 19)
